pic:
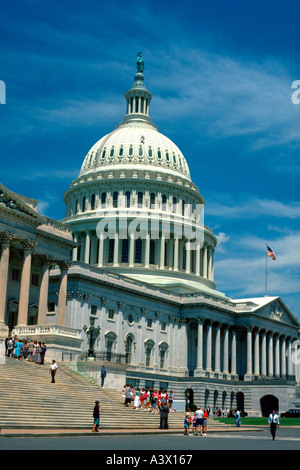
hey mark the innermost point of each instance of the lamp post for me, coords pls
(92, 334)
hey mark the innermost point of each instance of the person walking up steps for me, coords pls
(53, 370)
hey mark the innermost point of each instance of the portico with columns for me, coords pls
(30, 246)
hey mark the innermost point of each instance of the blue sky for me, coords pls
(220, 73)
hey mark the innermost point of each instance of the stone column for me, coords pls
(218, 349)
(28, 246)
(283, 356)
(75, 249)
(44, 287)
(204, 260)
(226, 350)
(289, 357)
(131, 250)
(183, 345)
(209, 266)
(5, 240)
(87, 247)
(249, 352)
(198, 256)
(264, 355)
(233, 352)
(116, 250)
(62, 293)
(147, 250)
(162, 252)
(176, 253)
(100, 252)
(256, 353)
(199, 369)
(209, 347)
(270, 364)
(277, 357)
(186, 247)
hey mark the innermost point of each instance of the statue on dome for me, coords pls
(140, 63)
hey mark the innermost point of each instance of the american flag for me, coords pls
(271, 253)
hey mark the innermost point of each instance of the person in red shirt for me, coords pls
(205, 417)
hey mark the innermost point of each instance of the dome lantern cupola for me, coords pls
(138, 97)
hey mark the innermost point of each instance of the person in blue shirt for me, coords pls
(186, 424)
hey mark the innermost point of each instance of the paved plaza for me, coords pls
(158, 444)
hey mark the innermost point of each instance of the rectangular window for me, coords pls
(138, 251)
(125, 251)
(111, 250)
(111, 314)
(35, 279)
(94, 309)
(148, 357)
(162, 358)
(51, 307)
(16, 274)
(152, 252)
(149, 323)
(163, 326)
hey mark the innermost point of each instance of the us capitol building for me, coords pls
(128, 275)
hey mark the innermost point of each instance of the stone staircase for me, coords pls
(28, 400)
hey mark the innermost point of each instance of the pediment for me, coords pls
(17, 205)
(276, 310)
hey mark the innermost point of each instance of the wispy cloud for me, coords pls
(252, 207)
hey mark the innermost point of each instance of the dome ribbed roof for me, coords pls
(136, 142)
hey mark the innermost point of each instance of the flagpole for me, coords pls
(266, 272)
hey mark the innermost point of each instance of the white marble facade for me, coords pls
(125, 255)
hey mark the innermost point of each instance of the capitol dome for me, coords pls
(136, 173)
(133, 144)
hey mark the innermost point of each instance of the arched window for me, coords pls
(141, 151)
(131, 150)
(140, 199)
(149, 345)
(121, 151)
(103, 199)
(159, 154)
(112, 152)
(163, 348)
(93, 201)
(152, 200)
(103, 153)
(174, 203)
(83, 205)
(164, 202)
(150, 152)
(128, 349)
(115, 199)
(183, 206)
(76, 206)
(110, 339)
(127, 196)
(167, 156)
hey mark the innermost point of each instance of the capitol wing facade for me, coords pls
(138, 289)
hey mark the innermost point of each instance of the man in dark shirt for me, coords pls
(96, 416)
